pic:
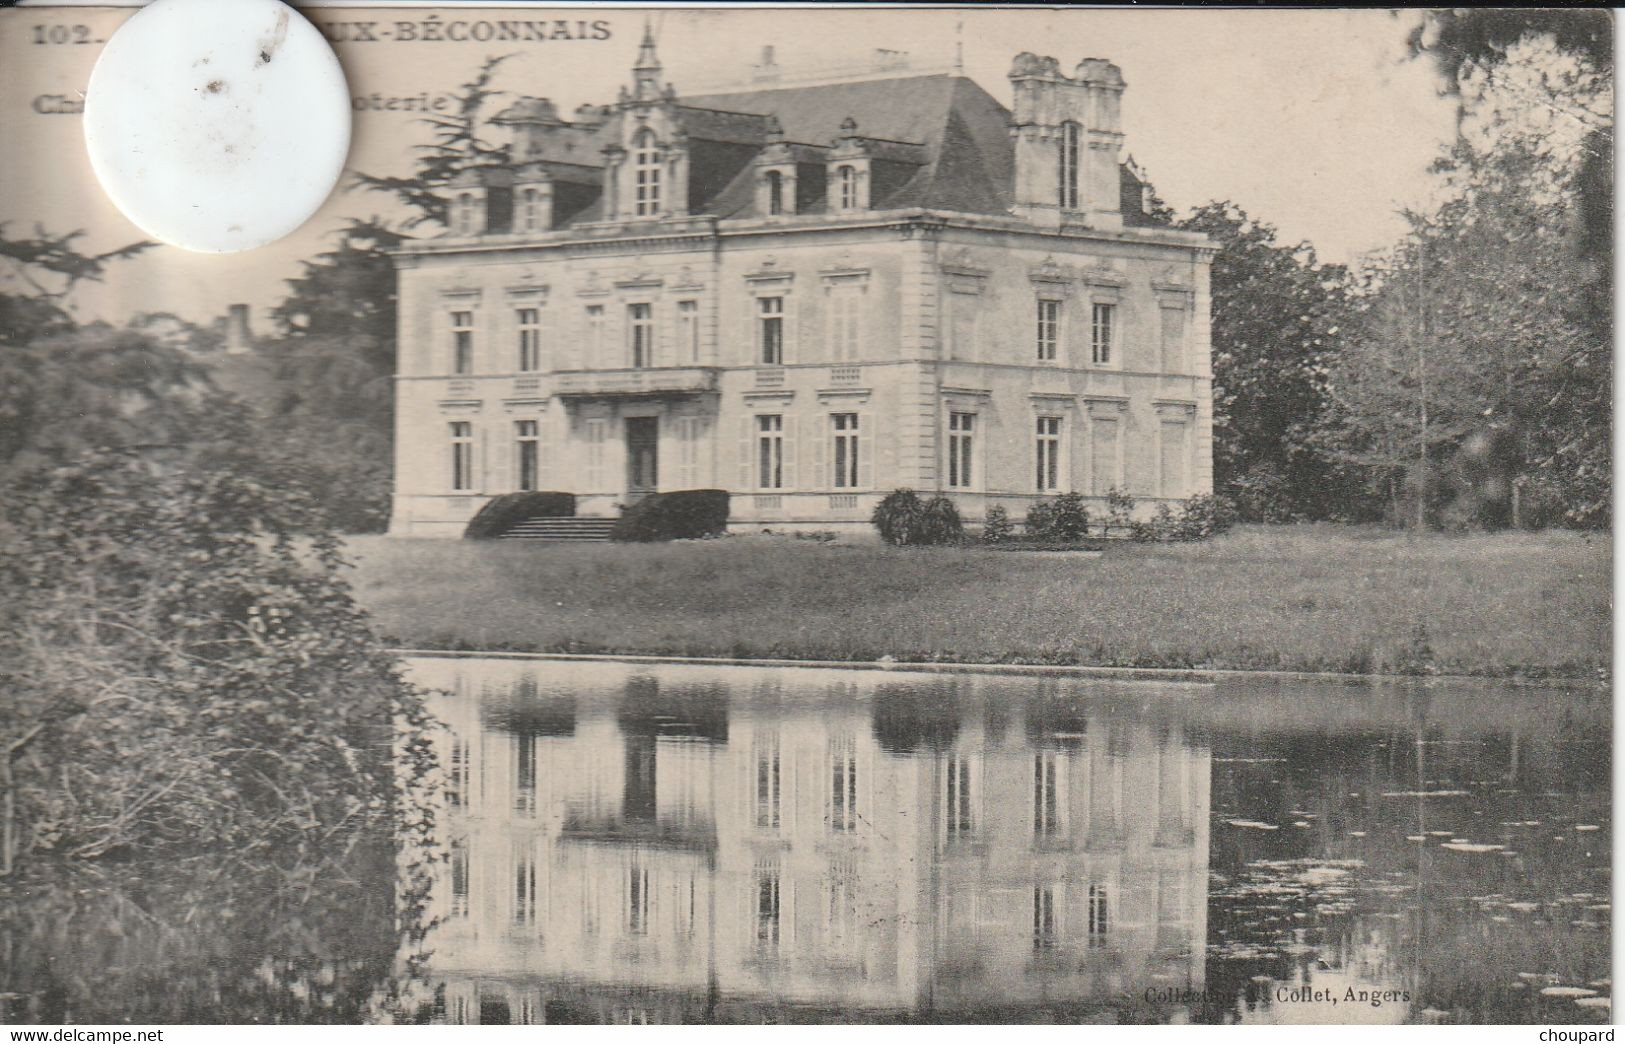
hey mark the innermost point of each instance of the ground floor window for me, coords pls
(527, 455)
(1173, 458)
(1103, 456)
(1049, 454)
(462, 456)
(961, 433)
(770, 451)
(844, 428)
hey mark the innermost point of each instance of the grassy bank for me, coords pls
(1318, 598)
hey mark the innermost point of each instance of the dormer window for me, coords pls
(463, 214)
(1071, 134)
(846, 187)
(529, 210)
(646, 171)
(775, 192)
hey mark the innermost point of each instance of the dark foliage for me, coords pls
(501, 514)
(690, 514)
(904, 520)
(1060, 518)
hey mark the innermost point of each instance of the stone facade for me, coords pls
(807, 296)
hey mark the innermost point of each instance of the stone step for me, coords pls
(576, 529)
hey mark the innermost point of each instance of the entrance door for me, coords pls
(642, 454)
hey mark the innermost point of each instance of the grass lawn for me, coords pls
(1310, 598)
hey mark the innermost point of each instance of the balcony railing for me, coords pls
(632, 384)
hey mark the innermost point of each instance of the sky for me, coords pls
(1314, 120)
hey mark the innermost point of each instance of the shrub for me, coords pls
(1201, 517)
(997, 528)
(689, 514)
(942, 522)
(904, 520)
(1119, 509)
(1060, 518)
(1207, 515)
(503, 513)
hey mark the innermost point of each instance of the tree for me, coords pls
(1486, 344)
(1278, 314)
(186, 669)
(332, 367)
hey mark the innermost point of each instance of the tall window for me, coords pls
(843, 798)
(1173, 340)
(765, 797)
(530, 340)
(463, 216)
(527, 454)
(1046, 796)
(646, 172)
(1046, 925)
(462, 455)
(688, 330)
(459, 878)
(1069, 146)
(688, 451)
(1049, 330)
(958, 806)
(846, 187)
(641, 329)
(1099, 915)
(770, 451)
(775, 192)
(462, 342)
(845, 313)
(1172, 452)
(530, 212)
(524, 885)
(524, 781)
(767, 909)
(844, 428)
(1103, 456)
(595, 335)
(961, 434)
(637, 900)
(597, 432)
(770, 329)
(1101, 333)
(1049, 454)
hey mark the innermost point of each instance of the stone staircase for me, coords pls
(579, 530)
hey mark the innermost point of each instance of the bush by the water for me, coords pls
(503, 513)
(689, 514)
(1061, 518)
(186, 673)
(904, 520)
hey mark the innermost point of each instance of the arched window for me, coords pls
(463, 216)
(1071, 133)
(846, 180)
(646, 170)
(775, 192)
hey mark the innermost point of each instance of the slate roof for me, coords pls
(936, 141)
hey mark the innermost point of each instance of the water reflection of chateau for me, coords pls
(680, 843)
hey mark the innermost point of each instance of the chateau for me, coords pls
(648, 849)
(808, 296)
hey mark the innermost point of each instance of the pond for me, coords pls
(658, 843)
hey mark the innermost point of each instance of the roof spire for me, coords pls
(646, 73)
(646, 50)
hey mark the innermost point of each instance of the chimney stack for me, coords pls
(239, 340)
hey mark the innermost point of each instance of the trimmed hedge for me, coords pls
(688, 514)
(502, 513)
(904, 520)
